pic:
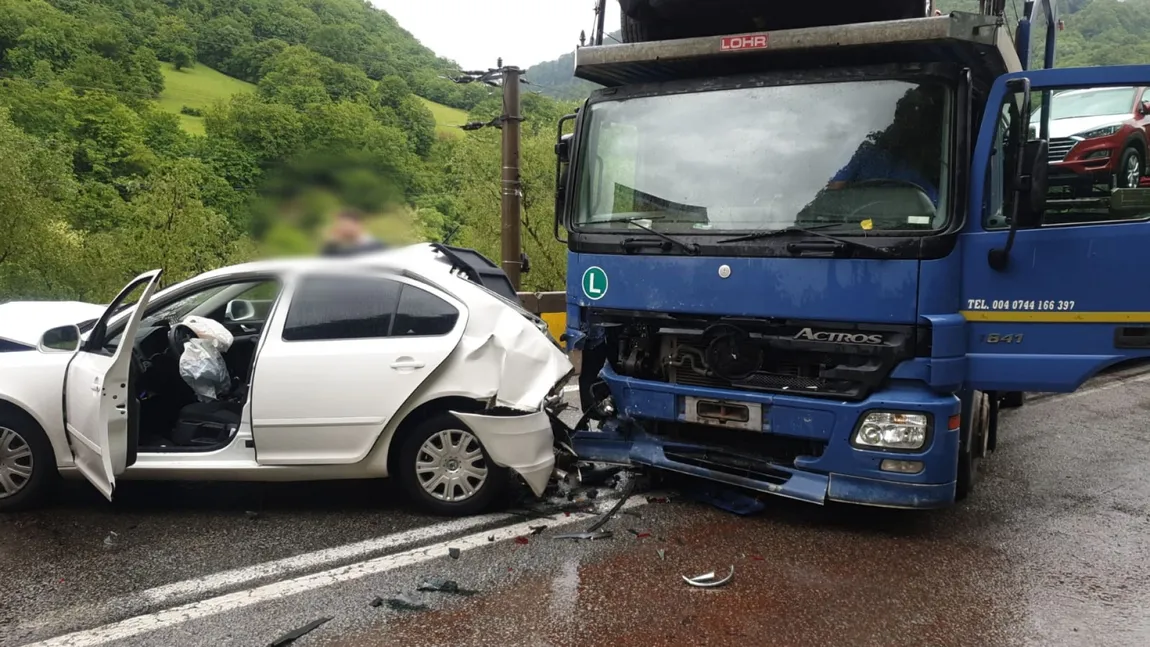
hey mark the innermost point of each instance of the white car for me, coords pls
(400, 363)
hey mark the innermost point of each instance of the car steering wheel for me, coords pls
(178, 335)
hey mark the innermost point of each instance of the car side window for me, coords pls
(422, 314)
(341, 307)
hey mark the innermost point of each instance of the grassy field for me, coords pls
(201, 86)
(197, 87)
(447, 120)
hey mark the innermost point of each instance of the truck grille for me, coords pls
(1060, 148)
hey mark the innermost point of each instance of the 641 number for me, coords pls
(995, 338)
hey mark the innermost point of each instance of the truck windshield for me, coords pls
(850, 157)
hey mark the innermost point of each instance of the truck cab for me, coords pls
(806, 261)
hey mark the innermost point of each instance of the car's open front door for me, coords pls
(97, 389)
(1054, 290)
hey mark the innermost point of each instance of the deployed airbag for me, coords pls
(202, 363)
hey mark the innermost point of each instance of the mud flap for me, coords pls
(522, 443)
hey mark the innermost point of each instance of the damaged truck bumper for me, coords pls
(523, 444)
(801, 449)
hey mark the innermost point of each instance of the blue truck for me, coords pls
(810, 262)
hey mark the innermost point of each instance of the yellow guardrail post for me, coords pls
(551, 307)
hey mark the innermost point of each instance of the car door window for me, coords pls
(341, 307)
(422, 314)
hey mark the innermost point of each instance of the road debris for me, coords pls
(535, 530)
(521, 540)
(251, 514)
(295, 634)
(377, 602)
(662, 553)
(602, 520)
(708, 580)
(403, 602)
(110, 541)
(454, 552)
(590, 536)
(439, 585)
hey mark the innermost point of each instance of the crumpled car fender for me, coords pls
(520, 443)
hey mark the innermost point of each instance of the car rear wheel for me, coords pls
(445, 470)
(28, 471)
(1131, 167)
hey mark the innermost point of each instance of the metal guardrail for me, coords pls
(551, 307)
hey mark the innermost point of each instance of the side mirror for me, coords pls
(1032, 184)
(1017, 149)
(240, 310)
(563, 145)
(62, 339)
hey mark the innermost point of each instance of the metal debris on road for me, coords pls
(295, 634)
(402, 602)
(591, 536)
(439, 585)
(454, 552)
(708, 580)
(627, 492)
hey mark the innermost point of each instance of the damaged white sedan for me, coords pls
(412, 363)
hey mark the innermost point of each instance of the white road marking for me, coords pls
(142, 624)
(178, 592)
(571, 388)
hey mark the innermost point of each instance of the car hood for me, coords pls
(1076, 125)
(24, 322)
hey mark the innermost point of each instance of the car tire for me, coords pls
(23, 445)
(422, 475)
(974, 447)
(1131, 168)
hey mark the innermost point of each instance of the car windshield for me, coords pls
(849, 157)
(1092, 103)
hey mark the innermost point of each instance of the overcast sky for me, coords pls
(476, 32)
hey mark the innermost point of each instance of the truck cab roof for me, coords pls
(977, 41)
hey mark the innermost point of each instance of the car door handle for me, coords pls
(406, 363)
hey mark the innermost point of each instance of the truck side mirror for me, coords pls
(1032, 184)
(563, 145)
(1017, 149)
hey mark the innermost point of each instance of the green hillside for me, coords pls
(447, 119)
(197, 87)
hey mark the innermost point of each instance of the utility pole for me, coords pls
(511, 187)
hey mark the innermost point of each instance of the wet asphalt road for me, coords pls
(1053, 549)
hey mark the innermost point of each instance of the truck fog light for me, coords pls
(902, 467)
(893, 430)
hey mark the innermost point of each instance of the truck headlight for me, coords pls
(892, 430)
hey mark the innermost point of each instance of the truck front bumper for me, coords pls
(835, 471)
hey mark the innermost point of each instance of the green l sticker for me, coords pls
(594, 283)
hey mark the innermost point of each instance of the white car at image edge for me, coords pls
(402, 364)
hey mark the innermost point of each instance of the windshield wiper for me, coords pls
(811, 231)
(690, 248)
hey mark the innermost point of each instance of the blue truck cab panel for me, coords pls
(828, 315)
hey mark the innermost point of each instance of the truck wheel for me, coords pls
(973, 446)
(445, 470)
(1130, 169)
(28, 473)
(1012, 399)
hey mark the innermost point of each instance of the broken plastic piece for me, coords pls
(708, 581)
(110, 540)
(602, 534)
(454, 552)
(662, 553)
(377, 602)
(403, 603)
(294, 634)
(438, 585)
(535, 530)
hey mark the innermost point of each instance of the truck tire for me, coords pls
(27, 462)
(973, 446)
(1012, 399)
